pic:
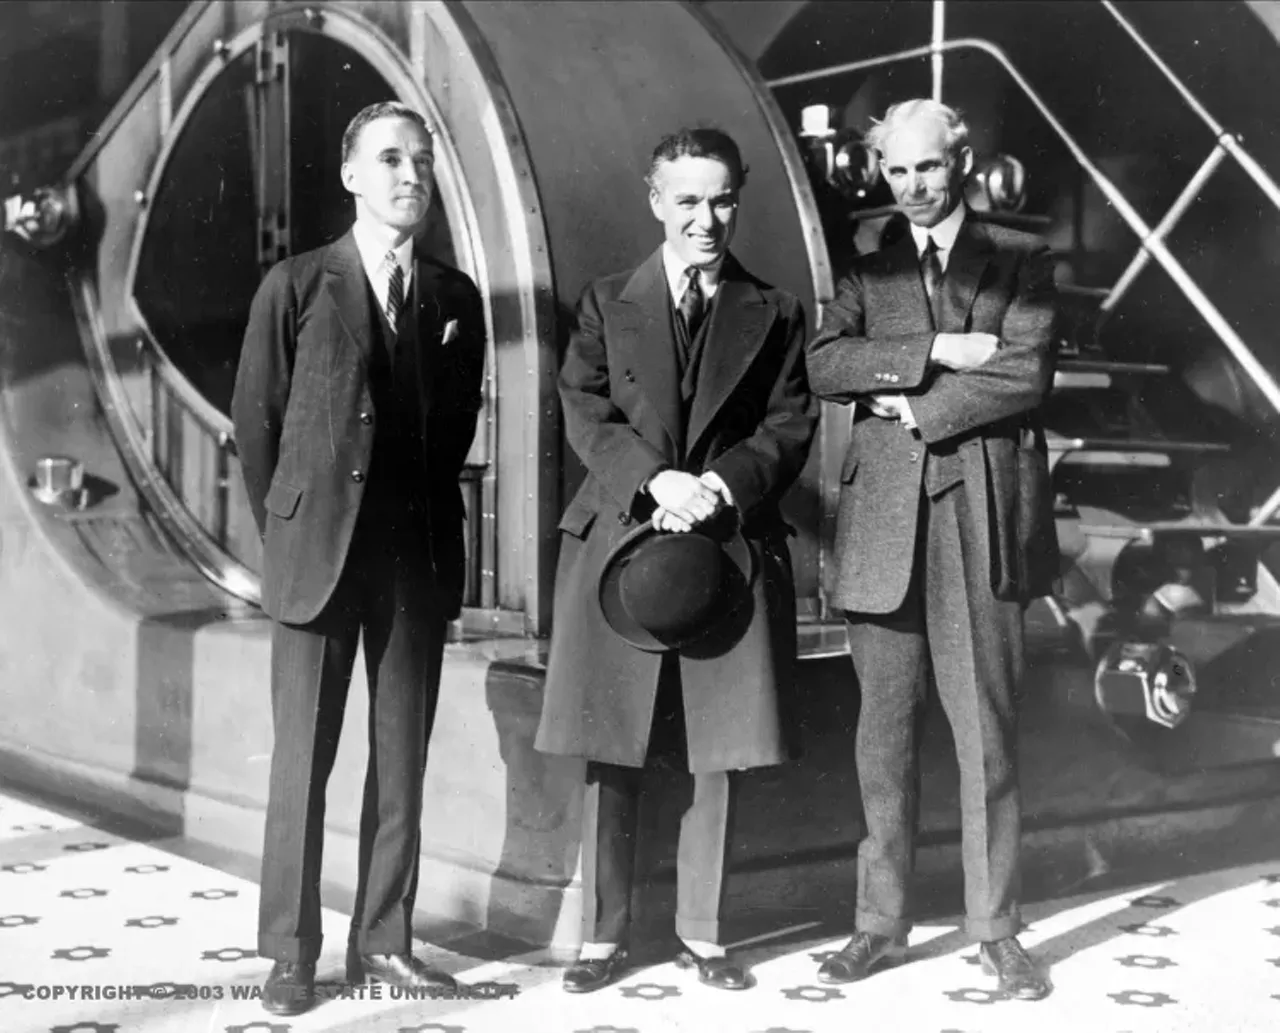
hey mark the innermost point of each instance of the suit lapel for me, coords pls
(740, 322)
(968, 261)
(346, 285)
(906, 303)
(639, 326)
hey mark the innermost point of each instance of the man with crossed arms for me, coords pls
(943, 338)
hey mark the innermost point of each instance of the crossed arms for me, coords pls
(948, 384)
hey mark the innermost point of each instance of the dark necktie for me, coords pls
(931, 269)
(693, 303)
(395, 290)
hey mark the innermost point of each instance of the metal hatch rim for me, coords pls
(211, 557)
(218, 422)
(214, 562)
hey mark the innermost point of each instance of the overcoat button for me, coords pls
(366, 417)
(624, 519)
(357, 476)
(629, 377)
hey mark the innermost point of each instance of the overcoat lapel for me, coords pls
(639, 325)
(740, 321)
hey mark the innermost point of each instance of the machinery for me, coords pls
(1169, 565)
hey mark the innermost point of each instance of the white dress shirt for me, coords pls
(677, 270)
(373, 244)
(944, 235)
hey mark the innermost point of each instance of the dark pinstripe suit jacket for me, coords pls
(304, 418)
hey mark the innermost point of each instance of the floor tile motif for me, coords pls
(164, 945)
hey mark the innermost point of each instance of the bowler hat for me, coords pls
(666, 590)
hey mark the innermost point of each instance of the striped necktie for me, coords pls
(395, 290)
(693, 303)
(931, 268)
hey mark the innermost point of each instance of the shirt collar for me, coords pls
(677, 269)
(944, 234)
(374, 242)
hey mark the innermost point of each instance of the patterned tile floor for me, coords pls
(80, 907)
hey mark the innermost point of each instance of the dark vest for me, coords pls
(689, 360)
(397, 468)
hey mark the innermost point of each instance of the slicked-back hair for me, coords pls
(909, 111)
(383, 109)
(698, 143)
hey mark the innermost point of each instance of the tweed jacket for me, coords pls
(976, 428)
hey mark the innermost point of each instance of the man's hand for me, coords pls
(963, 351)
(892, 407)
(713, 481)
(683, 500)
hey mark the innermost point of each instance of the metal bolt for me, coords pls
(140, 198)
(221, 49)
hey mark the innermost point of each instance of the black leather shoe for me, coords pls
(398, 970)
(723, 972)
(587, 974)
(1012, 965)
(290, 988)
(856, 959)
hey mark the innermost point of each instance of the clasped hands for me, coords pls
(685, 500)
(951, 351)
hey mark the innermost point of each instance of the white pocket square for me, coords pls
(450, 332)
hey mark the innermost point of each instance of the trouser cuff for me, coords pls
(288, 948)
(881, 925)
(998, 927)
(707, 929)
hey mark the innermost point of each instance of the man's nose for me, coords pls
(410, 173)
(703, 217)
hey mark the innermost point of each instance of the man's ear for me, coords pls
(966, 160)
(349, 178)
(655, 203)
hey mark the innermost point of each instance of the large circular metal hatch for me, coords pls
(247, 170)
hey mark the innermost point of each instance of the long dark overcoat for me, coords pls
(751, 421)
(304, 419)
(977, 425)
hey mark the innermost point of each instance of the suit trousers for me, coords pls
(385, 593)
(950, 622)
(611, 810)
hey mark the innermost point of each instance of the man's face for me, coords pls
(697, 204)
(927, 181)
(390, 173)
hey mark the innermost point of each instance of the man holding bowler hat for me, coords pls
(685, 396)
